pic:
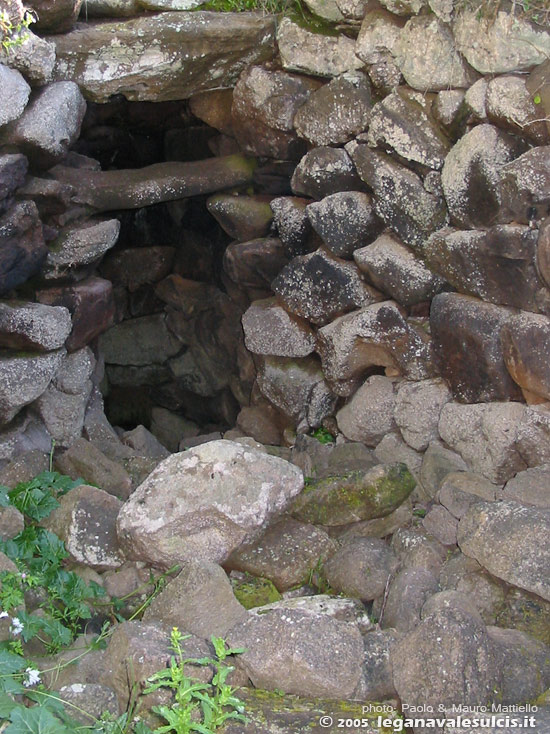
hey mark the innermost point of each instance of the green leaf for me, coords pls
(36, 720)
(50, 547)
(11, 685)
(537, 99)
(7, 704)
(4, 496)
(10, 663)
(142, 728)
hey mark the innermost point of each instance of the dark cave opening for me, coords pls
(201, 383)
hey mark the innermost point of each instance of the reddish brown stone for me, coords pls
(254, 264)
(525, 344)
(138, 266)
(264, 105)
(497, 265)
(466, 337)
(58, 16)
(374, 336)
(91, 304)
(214, 108)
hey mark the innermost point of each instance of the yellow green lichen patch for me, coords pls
(354, 496)
(255, 592)
(272, 712)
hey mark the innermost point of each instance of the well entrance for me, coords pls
(175, 359)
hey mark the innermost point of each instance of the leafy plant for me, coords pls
(198, 707)
(14, 32)
(323, 436)
(271, 7)
(40, 557)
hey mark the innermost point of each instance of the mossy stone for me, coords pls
(354, 496)
(255, 592)
(273, 713)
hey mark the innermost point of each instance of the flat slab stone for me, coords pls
(313, 53)
(33, 326)
(165, 56)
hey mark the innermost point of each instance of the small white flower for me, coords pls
(33, 677)
(16, 626)
(3, 614)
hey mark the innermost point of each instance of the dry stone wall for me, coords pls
(223, 221)
(410, 242)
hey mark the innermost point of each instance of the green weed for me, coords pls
(198, 707)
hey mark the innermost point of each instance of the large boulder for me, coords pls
(417, 409)
(471, 175)
(56, 17)
(204, 503)
(292, 223)
(84, 459)
(524, 186)
(499, 44)
(325, 171)
(376, 335)
(462, 326)
(319, 287)
(510, 540)
(336, 112)
(344, 221)
(242, 217)
(302, 662)
(199, 600)
(85, 521)
(141, 341)
(49, 125)
(448, 659)
(401, 122)
(497, 265)
(22, 246)
(79, 245)
(293, 385)
(13, 171)
(24, 378)
(406, 596)
(379, 36)
(369, 415)
(525, 665)
(361, 568)
(90, 303)
(486, 435)
(34, 58)
(14, 88)
(428, 58)
(264, 105)
(358, 495)
(136, 267)
(396, 270)
(400, 197)
(523, 337)
(510, 105)
(255, 263)
(142, 57)
(270, 329)
(286, 553)
(62, 405)
(33, 326)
